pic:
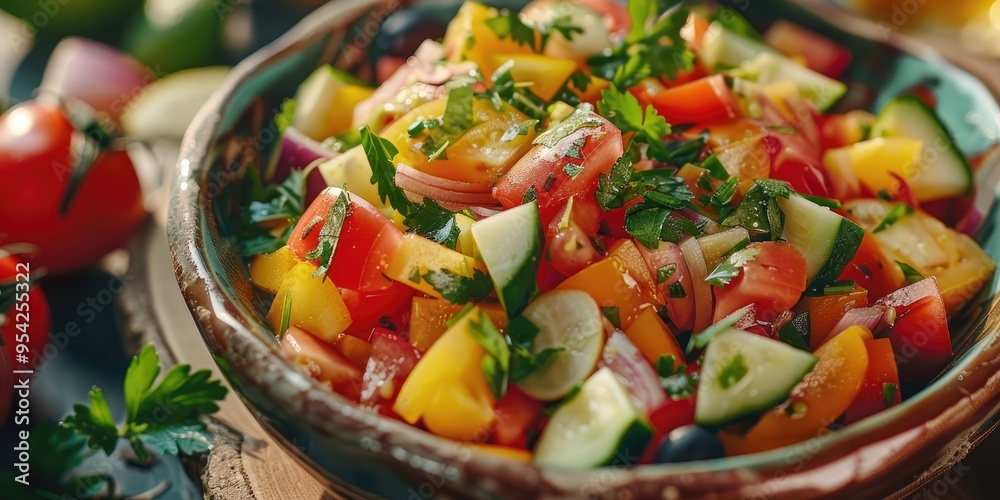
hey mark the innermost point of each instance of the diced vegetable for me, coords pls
(315, 304)
(351, 169)
(325, 101)
(827, 240)
(267, 271)
(417, 256)
(721, 48)
(569, 320)
(429, 319)
(769, 275)
(511, 245)
(599, 426)
(322, 362)
(920, 337)
(716, 247)
(621, 281)
(881, 388)
(941, 170)
(767, 67)
(545, 74)
(634, 372)
(745, 373)
(652, 337)
(825, 311)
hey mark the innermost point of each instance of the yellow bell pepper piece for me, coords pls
(267, 271)
(874, 161)
(316, 305)
(545, 74)
(418, 255)
(469, 38)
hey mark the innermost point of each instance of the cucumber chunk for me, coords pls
(723, 49)
(819, 89)
(827, 240)
(599, 426)
(942, 171)
(510, 244)
(314, 101)
(745, 373)
(569, 320)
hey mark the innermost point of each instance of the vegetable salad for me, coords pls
(589, 233)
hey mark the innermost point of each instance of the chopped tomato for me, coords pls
(392, 359)
(881, 386)
(702, 101)
(667, 261)
(920, 336)
(673, 414)
(872, 270)
(569, 168)
(322, 362)
(773, 282)
(367, 242)
(517, 418)
(827, 310)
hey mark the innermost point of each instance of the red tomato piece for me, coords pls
(392, 359)
(322, 362)
(881, 385)
(773, 282)
(920, 337)
(702, 101)
(367, 243)
(675, 413)
(517, 419)
(36, 165)
(872, 270)
(680, 309)
(585, 153)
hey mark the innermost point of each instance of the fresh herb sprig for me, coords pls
(507, 24)
(380, 153)
(281, 204)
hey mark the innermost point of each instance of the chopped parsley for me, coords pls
(759, 212)
(380, 153)
(507, 24)
(733, 371)
(524, 361)
(911, 274)
(729, 269)
(457, 119)
(701, 339)
(329, 235)
(459, 289)
(675, 382)
(496, 366)
(889, 391)
(624, 111)
(436, 223)
(896, 213)
(664, 273)
(281, 202)
(583, 117)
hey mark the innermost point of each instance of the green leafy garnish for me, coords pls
(613, 315)
(286, 115)
(889, 390)
(733, 371)
(613, 187)
(507, 24)
(583, 117)
(759, 212)
(572, 170)
(701, 339)
(667, 366)
(729, 269)
(496, 366)
(187, 395)
(329, 235)
(380, 153)
(676, 290)
(654, 47)
(624, 111)
(911, 274)
(459, 289)
(680, 153)
(436, 223)
(675, 382)
(264, 206)
(896, 213)
(664, 273)
(524, 361)
(458, 118)
(715, 168)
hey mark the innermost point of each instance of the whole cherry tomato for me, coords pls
(36, 167)
(24, 316)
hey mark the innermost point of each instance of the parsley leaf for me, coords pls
(329, 235)
(265, 205)
(612, 187)
(496, 366)
(653, 48)
(675, 382)
(582, 117)
(680, 153)
(896, 213)
(459, 289)
(457, 119)
(436, 223)
(380, 153)
(524, 361)
(664, 273)
(729, 269)
(889, 390)
(508, 24)
(187, 396)
(759, 212)
(624, 111)
(911, 274)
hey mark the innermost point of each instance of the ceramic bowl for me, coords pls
(358, 453)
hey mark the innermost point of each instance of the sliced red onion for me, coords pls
(875, 318)
(99, 75)
(633, 371)
(702, 291)
(315, 184)
(441, 182)
(483, 212)
(297, 152)
(409, 184)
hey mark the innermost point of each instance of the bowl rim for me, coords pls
(872, 450)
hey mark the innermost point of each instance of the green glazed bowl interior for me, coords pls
(358, 453)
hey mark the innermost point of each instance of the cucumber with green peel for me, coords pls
(767, 67)
(743, 373)
(569, 320)
(511, 244)
(942, 171)
(723, 49)
(827, 240)
(599, 426)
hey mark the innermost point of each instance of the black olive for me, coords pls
(689, 444)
